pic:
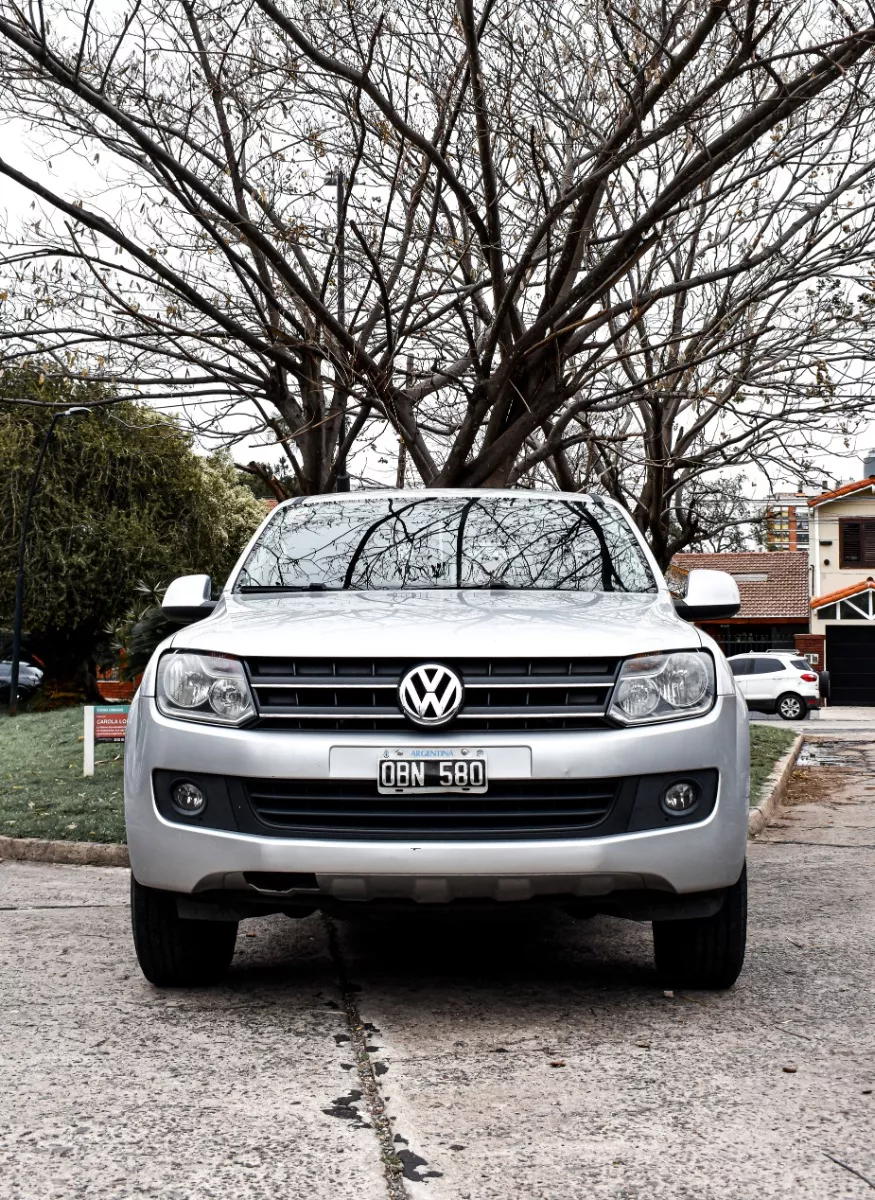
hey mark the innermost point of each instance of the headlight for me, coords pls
(664, 687)
(204, 687)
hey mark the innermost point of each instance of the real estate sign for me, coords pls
(103, 723)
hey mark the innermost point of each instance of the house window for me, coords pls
(857, 539)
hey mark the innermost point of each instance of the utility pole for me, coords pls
(22, 555)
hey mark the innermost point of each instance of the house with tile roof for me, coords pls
(842, 551)
(774, 598)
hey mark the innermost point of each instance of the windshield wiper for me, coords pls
(254, 589)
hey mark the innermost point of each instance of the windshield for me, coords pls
(387, 543)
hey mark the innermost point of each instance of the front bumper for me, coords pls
(697, 857)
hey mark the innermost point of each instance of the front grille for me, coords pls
(354, 809)
(500, 694)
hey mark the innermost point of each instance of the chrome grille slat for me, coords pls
(372, 714)
(493, 714)
(321, 683)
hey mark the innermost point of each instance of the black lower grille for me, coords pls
(351, 810)
(355, 809)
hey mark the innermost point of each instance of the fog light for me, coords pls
(680, 797)
(188, 798)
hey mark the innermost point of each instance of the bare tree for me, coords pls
(750, 374)
(541, 205)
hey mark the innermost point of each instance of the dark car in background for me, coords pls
(30, 679)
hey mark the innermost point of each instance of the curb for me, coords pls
(79, 854)
(764, 813)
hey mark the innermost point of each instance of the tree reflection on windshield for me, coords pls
(483, 541)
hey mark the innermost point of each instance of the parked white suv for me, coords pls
(440, 699)
(777, 681)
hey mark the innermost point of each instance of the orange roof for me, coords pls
(846, 489)
(865, 585)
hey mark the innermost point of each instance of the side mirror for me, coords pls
(710, 596)
(188, 599)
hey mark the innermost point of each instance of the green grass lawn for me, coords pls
(43, 793)
(767, 745)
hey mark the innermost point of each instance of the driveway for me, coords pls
(533, 1059)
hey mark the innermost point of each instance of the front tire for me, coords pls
(173, 952)
(704, 952)
(791, 707)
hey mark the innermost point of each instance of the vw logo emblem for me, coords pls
(430, 694)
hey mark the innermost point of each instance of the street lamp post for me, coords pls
(22, 554)
(336, 178)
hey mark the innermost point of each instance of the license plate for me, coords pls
(431, 770)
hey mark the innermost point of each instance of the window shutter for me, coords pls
(852, 544)
(868, 543)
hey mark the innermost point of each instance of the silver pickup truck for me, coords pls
(440, 698)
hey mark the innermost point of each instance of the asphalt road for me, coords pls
(536, 1059)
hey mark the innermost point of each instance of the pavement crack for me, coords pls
(840, 1162)
(393, 1164)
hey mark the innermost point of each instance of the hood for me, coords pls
(440, 624)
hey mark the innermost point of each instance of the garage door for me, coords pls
(850, 660)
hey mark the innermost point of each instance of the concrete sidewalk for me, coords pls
(112, 1089)
(846, 714)
(530, 1059)
(835, 717)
